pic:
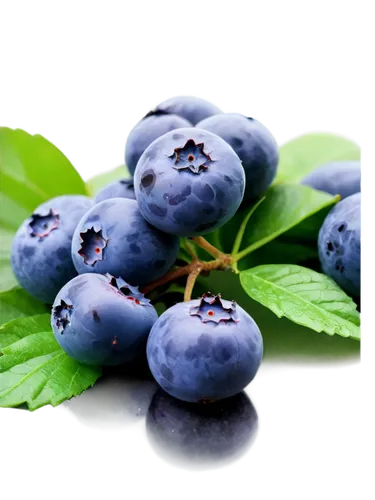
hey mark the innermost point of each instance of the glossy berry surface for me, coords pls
(202, 432)
(101, 320)
(339, 244)
(114, 238)
(255, 146)
(123, 188)
(341, 177)
(189, 182)
(205, 349)
(152, 126)
(41, 258)
(193, 109)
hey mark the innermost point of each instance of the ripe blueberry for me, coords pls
(193, 109)
(341, 177)
(117, 189)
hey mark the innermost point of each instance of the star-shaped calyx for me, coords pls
(214, 308)
(92, 246)
(192, 156)
(62, 314)
(40, 226)
(128, 291)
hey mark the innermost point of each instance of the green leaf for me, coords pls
(32, 170)
(287, 345)
(304, 154)
(285, 206)
(22, 327)
(36, 371)
(99, 181)
(304, 296)
(16, 303)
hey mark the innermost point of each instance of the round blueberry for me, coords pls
(255, 146)
(204, 350)
(101, 320)
(193, 109)
(189, 182)
(114, 238)
(341, 177)
(339, 244)
(40, 255)
(123, 188)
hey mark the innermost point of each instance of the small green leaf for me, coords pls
(287, 345)
(304, 296)
(22, 327)
(16, 303)
(304, 154)
(32, 170)
(99, 181)
(36, 371)
(284, 207)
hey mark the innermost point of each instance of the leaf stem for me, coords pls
(210, 249)
(192, 277)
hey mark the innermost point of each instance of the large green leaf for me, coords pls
(34, 370)
(99, 181)
(16, 303)
(32, 170)
(304, 154)
(285, 342)
(22, 327)
(284, 207)
(304, 296)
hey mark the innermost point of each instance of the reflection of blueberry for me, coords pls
(41, 258)
(193, 109)
(205, 432)
(205, 349)
(114, 238)
(255, 146)
(339, 244)
(189, 182)
(101, 320)
(152, 126)
(117, 189)
(119, 398)
(341, 177)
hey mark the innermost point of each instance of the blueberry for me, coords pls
(189, 182)
(341, 177)
(101, 320)
(152, 126)
(114, 238)
(205, 349)
(117, 189)
(339, 244)
(255, 146)
(119, 398)
(40, 255)
(193, 109)
(203, 433)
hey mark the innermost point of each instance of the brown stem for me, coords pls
(210, 249)
(191, 282)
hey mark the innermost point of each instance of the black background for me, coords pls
(307, 415)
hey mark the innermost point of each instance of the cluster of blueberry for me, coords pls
(192, 167)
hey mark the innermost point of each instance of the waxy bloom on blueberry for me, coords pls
(191, 108)
(123, 188)
(205, 349)
(189, 182)
(41, 257)
(101, 320)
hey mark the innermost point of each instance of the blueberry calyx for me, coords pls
(214, 308)
(130, 292)
(191, 156)
(92, 246)
(41, 225)
(128, 183)
(62, 314)
(156, 112)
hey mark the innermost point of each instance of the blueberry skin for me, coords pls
(189, 182)
(119, 399)
(201, 432)
(341, 177)
(255, 146)
(193, 109)
(114, 238)
(339, 244)
(40, 255)
(152, 126)
(195, 358)
(101, 320)
(123, 188)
